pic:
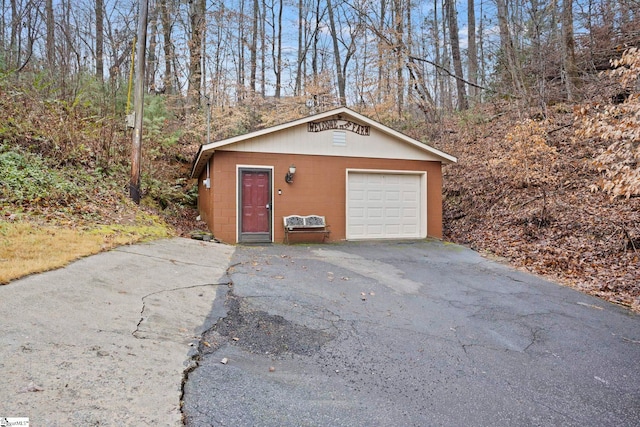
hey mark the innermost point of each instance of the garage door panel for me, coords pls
(392, 229)
(358, 229)
(357, 195)
(373, 179)
(384, 205)
(374, 195)
(392, 213)
(392, 179)
(376, 231)
(410, 195)
(357, 179)
(411, 213)
(356, 213)
(392, 195)
(375, 213)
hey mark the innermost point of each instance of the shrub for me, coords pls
(27, 179)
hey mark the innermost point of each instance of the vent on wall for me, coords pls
(339, 138)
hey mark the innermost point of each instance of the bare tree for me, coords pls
(254, 45)
(14, 37)
(455, 54)
(263, 50)
(508, 49)
(316, 41)
(197, 19)
(568, 51)
(151, 49)
(301, 35)
(336, 55)
(240, 45)
(166, 46)
(398, 25)
(381, 52)
(472, 50)
(51, 25)
(275, 22)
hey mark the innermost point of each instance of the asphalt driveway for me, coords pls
(408, 334)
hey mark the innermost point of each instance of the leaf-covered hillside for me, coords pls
(525, 189)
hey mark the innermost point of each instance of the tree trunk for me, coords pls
(197, 18)
(50, 43)
(316, 41)
(398, 18)
(437, 91)
(166, 35)
(445, 60)
(472, 50)
(568, 51)
(263, 51)
(381, 54)
(481, 68)
(3, 26)
(276, 48)
(336, 55)
(409, 49)
(279, 58)
(151, 50)
(508, 49)
(14, 45)
(298, 87)
(455, 54)
(241, 39)
(217, 78)
(100, 40)
(254, 46)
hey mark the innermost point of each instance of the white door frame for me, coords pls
(239, 192)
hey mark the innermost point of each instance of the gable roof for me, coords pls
(206, 150)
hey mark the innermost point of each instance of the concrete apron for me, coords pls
(106, 340)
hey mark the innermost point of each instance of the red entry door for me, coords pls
(255, 215)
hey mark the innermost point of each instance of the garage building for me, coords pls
(368, 181)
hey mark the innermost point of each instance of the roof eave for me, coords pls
(196, 168)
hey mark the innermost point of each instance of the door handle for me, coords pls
(268, 206)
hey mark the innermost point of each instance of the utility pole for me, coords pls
(138, 103)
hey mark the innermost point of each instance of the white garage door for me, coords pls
(385, 206)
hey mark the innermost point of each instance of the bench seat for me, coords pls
(294, 224)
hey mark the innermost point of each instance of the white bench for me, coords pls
(294, 224)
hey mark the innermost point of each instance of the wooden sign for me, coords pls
(338, 124)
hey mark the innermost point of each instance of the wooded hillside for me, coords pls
(538, 99)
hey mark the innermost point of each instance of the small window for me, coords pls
(339, 138)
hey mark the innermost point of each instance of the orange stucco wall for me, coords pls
(319, 188)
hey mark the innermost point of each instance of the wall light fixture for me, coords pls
(289, 176)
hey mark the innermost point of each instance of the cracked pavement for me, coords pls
(107, 339)
(408, 334)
